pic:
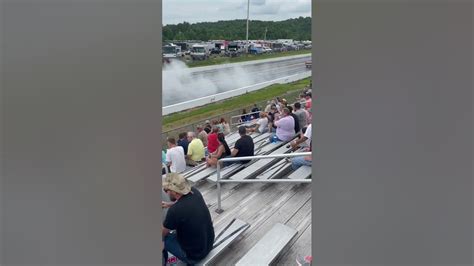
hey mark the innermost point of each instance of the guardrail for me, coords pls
(236, 159)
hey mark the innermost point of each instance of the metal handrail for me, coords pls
(236, 159)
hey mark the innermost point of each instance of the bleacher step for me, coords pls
(269, 246)
(201, 175)
(220, 248)
(302, 172)
(282, 168)
(225, 172)
(259, 166)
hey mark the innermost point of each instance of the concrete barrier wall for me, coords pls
(232, 93)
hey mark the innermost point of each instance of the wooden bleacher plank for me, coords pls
(201, 175)
(270, 147)
(269, 246)
(259, 166)
(261, 137)
(277, 171)
(218, 250)
(225, 172)
(194, 170)
(302, 172)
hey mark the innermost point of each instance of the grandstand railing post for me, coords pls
(219, 209)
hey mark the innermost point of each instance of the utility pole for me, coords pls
(247, 36)
(265, 37)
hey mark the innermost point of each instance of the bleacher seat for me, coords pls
(259, 166)
(239, 225)
(269, 246)
(302, 172)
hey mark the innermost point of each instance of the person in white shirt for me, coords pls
(261, 124)
(175, 157)
(306, 138)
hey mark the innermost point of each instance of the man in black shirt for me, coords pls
(189, 216)
(243, 147)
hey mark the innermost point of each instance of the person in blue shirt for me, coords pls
(183, 142)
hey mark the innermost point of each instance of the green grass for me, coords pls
(199, 113)
(247, 57)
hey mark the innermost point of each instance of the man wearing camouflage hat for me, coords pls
(192, 237)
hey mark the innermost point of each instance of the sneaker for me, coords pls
(304, 260)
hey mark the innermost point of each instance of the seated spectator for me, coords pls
(175, 157)
(243, 147)
(301, 115)
(245, 117)
(278, 103)
(273, 116)
(308, 101)
(226, 126)
(163, 161)
(220, 126)
(306, 138)
(207, 126)
(297, 162)
(261, 125)
(285, 127)
(202, 135)
(222, 151)
(295, 118)
(212, 142)
(195, 150)
(193, 236)
(183, 142)
(255, 108)
(255, 111)
(269, 106)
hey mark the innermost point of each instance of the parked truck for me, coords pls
(200, 52)
(233, 49)
(170, 52)
(256, 49)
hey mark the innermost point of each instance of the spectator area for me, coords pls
(260, 205)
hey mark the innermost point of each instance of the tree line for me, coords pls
(296, 29)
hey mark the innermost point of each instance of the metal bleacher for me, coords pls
(269, 247)
(255, 169)
(201, 172)
(275, 168)
(259, 166)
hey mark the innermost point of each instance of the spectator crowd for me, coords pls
(208, 144)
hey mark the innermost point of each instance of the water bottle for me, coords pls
(274, 139)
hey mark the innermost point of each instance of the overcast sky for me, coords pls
(177, 11)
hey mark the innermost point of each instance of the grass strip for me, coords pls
(199, 113)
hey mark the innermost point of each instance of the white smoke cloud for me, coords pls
(181, 83)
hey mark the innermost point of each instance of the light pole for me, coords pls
(247, 35)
